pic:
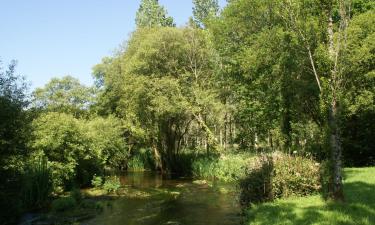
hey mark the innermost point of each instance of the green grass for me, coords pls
(358, 209)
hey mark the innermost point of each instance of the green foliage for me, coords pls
(229, 167)
(204, 10)
(14, 133)
(37, 183)
(191, 96)
(358, 208)
(151, 14)
(106, 141)
(136, 163)
(265, 70)
(97, 181)
(63, 204)
(13, 120)
(359, 96)
(279, 176)
(257, 185)
(161, 86)
(76, 148)
(59, 137)
(295, 176)
(65, 95)
(111, 184)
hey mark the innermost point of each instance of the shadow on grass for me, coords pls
(359, 208)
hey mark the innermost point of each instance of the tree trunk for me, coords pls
(210, 137)
(337, 192)
(157, 156)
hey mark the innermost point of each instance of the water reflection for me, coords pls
(170, 201)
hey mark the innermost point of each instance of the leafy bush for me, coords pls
(257, 185)
(63, 204)
(277, 176)
(37, 184)
(78, 148)
(97, 181)
(295, 175)
(111, 184)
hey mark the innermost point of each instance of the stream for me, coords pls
(155, 200)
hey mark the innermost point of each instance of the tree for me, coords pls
(203, 10)
(332, 88)
(359, 94)
(264, 69)
(151, 14)
(13, 100)
(105, 137)
(162, 89)
(76, 149)
(14, 133)
(64, 95)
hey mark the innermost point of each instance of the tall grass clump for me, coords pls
(141, 160)
(37, 183)
(279, 175)
(136, 163)
(228, 167)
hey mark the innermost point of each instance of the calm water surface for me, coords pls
(155, 200)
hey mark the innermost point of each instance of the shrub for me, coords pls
(277, 176)
(256, 186)
(63, 204)
(97, 181)
(111, 184)
(295, 176)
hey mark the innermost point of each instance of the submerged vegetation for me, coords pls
(274, 96)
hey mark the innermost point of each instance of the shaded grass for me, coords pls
(358, 209)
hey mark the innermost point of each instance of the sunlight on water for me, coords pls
(154, 200)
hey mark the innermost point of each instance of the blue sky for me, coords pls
(53, 38)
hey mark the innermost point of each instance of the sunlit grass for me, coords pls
(358, 209)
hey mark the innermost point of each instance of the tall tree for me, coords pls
(65, 94)
(266, 69)
(152, 14)
(359, 94)
(327, 65)
(14, 133)
(203, 10)
(162, 89)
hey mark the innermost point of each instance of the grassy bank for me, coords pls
(358, 209)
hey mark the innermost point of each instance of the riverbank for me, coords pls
(358, 209)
